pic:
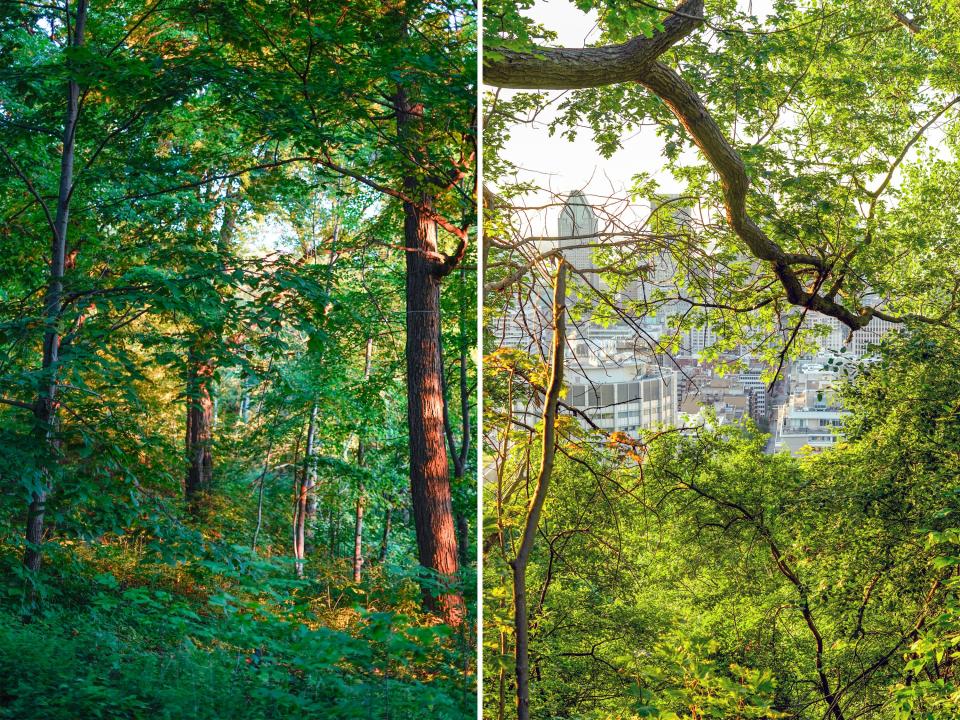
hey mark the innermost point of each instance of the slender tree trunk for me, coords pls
(429, 478)
(299, 500)
(463, 538)
(358, 537)
(502, 681)
(45, 409)
(310, 510)
(299, 520)
(519, 564)
(262, 480)
(385, 539)
(298, 479)
(305, 502)
(199, 427)
(361, 489)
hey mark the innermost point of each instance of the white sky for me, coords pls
(559, 165)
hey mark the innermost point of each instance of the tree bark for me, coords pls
(385, 539)
(310, 510)
(305, 504)
(45, 408)
(429, 473)
(358, 537)
(199, 428)
(361, 490)
(576, 68)
(299, 507)
(519, 564)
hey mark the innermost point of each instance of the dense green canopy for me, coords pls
(203, 416)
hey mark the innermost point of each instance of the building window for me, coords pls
(577, 396)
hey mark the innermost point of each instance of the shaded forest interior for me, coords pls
(237, 374)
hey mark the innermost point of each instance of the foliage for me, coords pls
(230, 250)
(812, 576)
(787, 564)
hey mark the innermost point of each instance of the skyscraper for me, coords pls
(578, 227)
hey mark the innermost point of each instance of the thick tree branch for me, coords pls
(689, 109)
(574, 68)
(566, 69)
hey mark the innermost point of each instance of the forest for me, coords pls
(686, 570)
(238, 359)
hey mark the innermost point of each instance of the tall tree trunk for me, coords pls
(298, 480)
(361, 489)
(358, 537)
(299, 503)
(305, 503)
(519, 564)
(429, 478)
(502, 681)
(201, 403)
(45, 409)
(310, 511)
(460, 454)
(199, 427)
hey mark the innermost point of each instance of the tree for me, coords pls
(86, 68)
(684, 572)
(218, 282)
(548, 450)
(423, 164)
(837, 280)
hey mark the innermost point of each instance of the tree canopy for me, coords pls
(215, 501)
(687, 572)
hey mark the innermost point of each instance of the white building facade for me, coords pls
(622, 398)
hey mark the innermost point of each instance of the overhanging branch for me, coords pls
(577, 68)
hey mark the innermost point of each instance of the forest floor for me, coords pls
(193, 627)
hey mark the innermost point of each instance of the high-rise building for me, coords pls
(753, 383)
(839, 339)
(578, 227)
